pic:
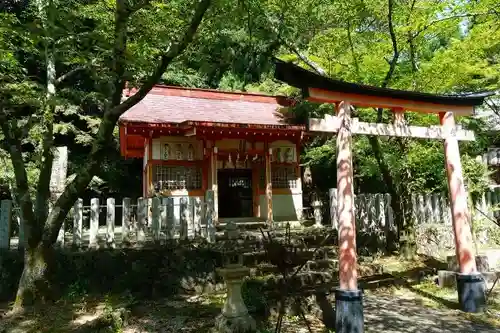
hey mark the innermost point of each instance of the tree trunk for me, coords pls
(392, 238)
(35, 283)
(409, 243)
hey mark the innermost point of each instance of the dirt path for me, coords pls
(401, 311)
(408, 314)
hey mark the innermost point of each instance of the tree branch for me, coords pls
(165, 60)
(452, 17)
(351, 45)
(139, 5)
(105, 132)
(46, 13)
(317, 68)
(305, 59)
(122, 15)
(13, 145)
(395, 50)
(411, 43)
(70, 73)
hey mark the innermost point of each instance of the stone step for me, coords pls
(255, 224)
(299, 280)
(253, 258)
(323, 264)
(447, 279)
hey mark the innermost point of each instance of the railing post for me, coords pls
(78, 223)
(5, 220)
(210, 216)
(61, 234)
(170, 218)
(197, 204)
(184, 217)
(163, 217)
(156, 222)
(126, 223)
(332, 193)
(110, 222)
(22, 233)
(94, 222)
(142, 213)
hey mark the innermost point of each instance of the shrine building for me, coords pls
(235, 144)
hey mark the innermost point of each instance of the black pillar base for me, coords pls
(349, 311)
(471, 292)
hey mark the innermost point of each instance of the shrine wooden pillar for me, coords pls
(348, 298)
(269, 185)
(458, 198)
(214, 187)
(470, 285)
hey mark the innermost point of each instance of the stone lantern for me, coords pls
(234, 317)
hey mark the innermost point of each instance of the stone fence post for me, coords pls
(126, 223)
(210, 216)
(5, 220)
(94, 222)
(110, 222)
(155, 215)
(78, 223)
(142, 214)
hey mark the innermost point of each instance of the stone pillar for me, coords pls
(126, 221)
(332, 193)
(269, 186)
(170, 223)
(234, 316)
(210, 227)
(142, 213)
(213, 165)
(197, 213)
(470, 284)
(348, 298)
(94, 222)
(318, 213)
(156, 218)
(78, 223)
(184, 217)
(110, 222)
(22, 234)
(61, 235)
(5, 220)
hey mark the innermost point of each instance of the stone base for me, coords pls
(481, 263)
(241, 324)
(471, 292)
(349, 311)
(447, 279)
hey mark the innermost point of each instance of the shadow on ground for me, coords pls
(399, 302)
(408, 314)
(113, 314)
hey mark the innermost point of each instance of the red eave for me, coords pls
(213, 94)
(190, 123)
(176, 111)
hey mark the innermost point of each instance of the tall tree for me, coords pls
(115, 56)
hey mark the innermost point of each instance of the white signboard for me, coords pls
(59, 170)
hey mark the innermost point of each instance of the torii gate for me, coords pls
(318, 88)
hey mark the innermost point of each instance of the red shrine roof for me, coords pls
(177, 105)
(206, 114)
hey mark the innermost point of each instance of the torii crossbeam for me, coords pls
(318, 88)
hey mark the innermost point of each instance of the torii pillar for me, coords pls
(470, 283)
(348, 298)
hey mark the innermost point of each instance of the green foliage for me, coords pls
(255, 298)
(148, 272)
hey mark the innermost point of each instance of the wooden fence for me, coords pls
(108, 224)
(374, 211)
